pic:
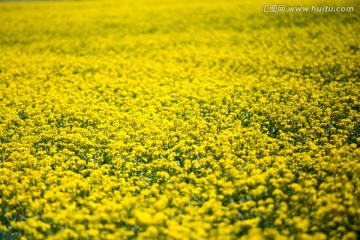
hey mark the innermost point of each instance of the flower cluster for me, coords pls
(190, 120)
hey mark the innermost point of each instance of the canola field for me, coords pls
(154, 119)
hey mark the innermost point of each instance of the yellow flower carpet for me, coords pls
(154, 119)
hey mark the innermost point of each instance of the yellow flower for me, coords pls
(143, 217)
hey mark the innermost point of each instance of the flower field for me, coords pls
(153, 119)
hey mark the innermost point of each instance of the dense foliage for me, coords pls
(178, 120)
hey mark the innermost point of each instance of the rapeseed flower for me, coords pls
(189, 120)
